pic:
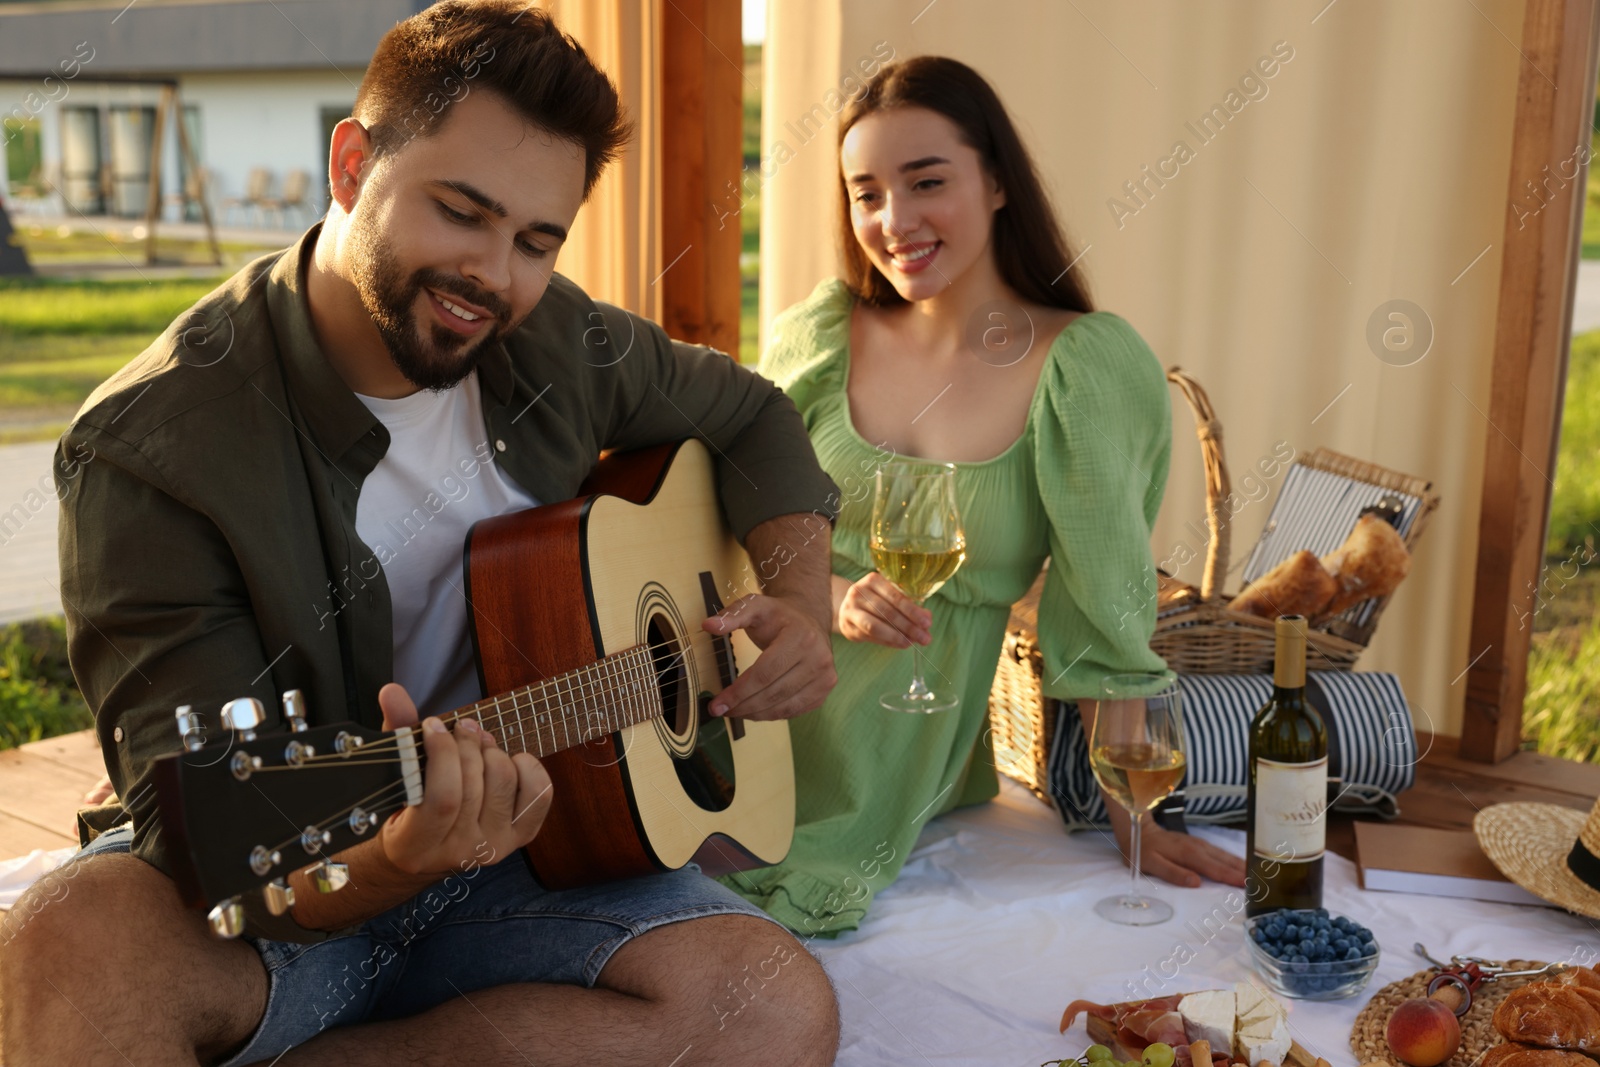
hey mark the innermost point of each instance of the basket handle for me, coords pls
(1209, 430)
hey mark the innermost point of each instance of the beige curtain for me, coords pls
(1371, 166)
(614, 249)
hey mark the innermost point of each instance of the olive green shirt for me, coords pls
(208, 499)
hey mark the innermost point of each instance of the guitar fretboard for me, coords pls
(573, 708)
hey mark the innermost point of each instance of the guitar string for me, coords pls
(540, 707)
(542, 686)
(378, 798)
(636, 685)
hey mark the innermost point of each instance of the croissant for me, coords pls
(1372, 562)
(1512, 1054)
(1551, 1014)
(1297, 586)
(1579, 976)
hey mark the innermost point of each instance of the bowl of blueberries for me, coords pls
(1311, 955)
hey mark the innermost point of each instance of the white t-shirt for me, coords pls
(436, 480)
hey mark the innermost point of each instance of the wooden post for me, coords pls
(702, 111)
(199, 177)
(1550, 141)
(152, 209)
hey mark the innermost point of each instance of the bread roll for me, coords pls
(1371, 562)
(1297, 586)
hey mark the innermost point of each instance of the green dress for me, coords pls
(1082, 485)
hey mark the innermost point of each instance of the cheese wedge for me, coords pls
(1265, 1040)
(1262, 1030)
(1209, 1016)
(1248, 999)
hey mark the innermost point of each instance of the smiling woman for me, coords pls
(958, 283)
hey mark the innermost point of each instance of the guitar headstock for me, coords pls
(243, 810)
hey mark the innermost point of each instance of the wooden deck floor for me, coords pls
(41, 790)
(42, 786)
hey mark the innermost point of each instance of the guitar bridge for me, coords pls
(722, 645)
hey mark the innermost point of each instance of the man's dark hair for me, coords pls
(456, 47)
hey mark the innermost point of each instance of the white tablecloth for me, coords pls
(970, 957)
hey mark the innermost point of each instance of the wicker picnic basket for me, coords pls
(1195, 632)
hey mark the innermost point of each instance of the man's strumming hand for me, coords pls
(789, 621)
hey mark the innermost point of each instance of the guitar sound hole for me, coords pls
(705, 767)
(671, 678)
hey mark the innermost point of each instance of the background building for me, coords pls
(261, 82)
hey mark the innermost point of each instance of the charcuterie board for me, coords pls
(1105, 1032)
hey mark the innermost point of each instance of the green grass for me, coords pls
(38, 698)
(116, 250)
(64, 371)
(750, 212)
(60, 339)
(1591, 207)
(1575, 504)
(35, 307)
(1561, 712)
(1561, 709)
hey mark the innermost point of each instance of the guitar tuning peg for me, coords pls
(329, 877)
(294, 710)
(279, 896)
(226, 919)
(243, 715)
(191, 728)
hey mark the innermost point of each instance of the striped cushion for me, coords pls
(1316, 510)
(1372, 746)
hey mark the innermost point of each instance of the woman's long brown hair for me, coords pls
(1029, 249)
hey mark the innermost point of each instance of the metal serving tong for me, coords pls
(1464, 974)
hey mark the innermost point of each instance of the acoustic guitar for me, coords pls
(586, 621)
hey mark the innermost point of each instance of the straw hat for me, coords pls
(1551, 851)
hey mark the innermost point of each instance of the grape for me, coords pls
(1097, 1052)
(1159, 1054)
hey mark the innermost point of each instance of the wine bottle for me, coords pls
(1288, 793)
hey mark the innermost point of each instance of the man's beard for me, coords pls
(444, 358)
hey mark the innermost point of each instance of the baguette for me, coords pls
(1300, 585)
(1372, 562)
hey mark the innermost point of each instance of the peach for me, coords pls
(1423, 1032)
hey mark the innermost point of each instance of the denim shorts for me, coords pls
(474, 930)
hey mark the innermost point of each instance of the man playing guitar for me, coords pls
(277, 497)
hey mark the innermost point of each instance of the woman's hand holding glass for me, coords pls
(874, 609)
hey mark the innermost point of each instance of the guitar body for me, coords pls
(641, 559)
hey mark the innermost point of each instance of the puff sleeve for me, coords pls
(1102, 443)
(805, 355)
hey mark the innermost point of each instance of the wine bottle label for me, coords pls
(1291, 809)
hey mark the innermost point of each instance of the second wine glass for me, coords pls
(1137, 753)
(917, 543)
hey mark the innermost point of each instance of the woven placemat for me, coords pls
(1478, 1034)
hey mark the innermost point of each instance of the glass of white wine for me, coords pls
(917, 544)
(1136, 751)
